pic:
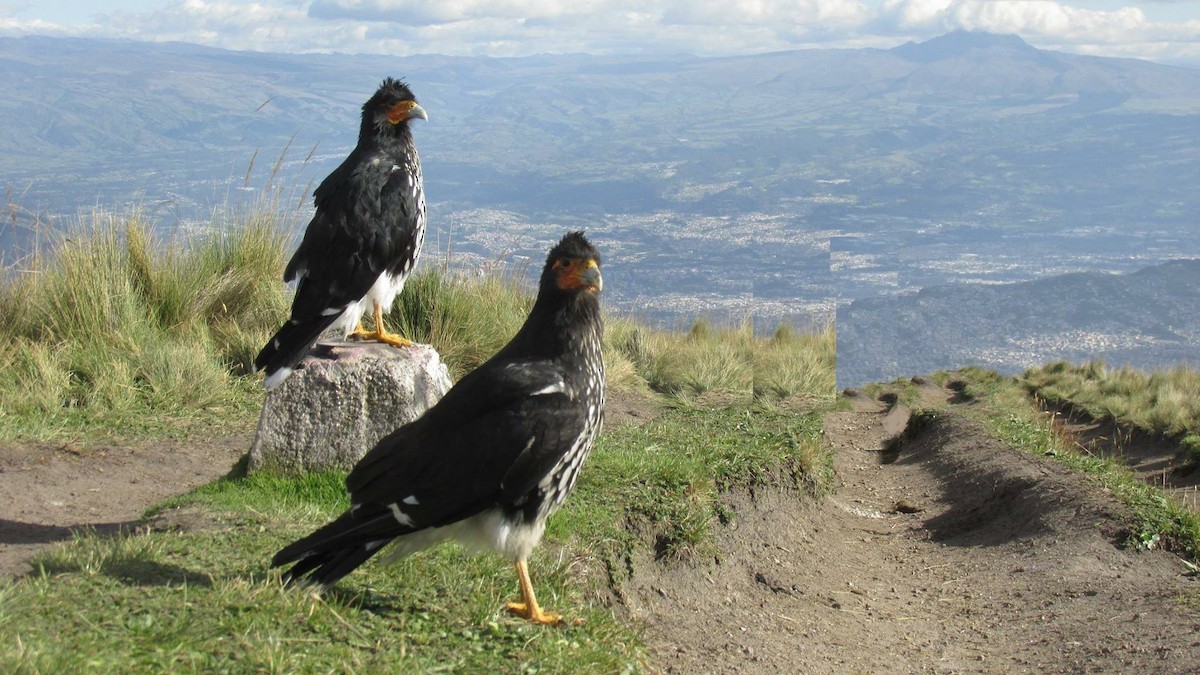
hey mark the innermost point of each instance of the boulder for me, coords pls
(343, 399)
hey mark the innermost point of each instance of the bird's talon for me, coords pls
(393, 340)
(537, 615)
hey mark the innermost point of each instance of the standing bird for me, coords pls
(493, 458)
(364, 239)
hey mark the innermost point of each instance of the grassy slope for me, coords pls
(1162, 403)
(113, 332)
(1156, 519)
(203, 599)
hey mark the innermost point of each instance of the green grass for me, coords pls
(1165, 403)
(112, 332)
(904, 391)
(730, 360)
(204, 600)
(1156, 519)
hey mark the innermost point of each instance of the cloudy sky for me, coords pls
(1161, 30)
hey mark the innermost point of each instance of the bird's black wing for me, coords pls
(491, 439)
(345, 248)
(488, 441)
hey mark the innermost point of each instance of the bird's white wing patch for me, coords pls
(276, 377)
(411, 500)
(555, 388)
(401, 517)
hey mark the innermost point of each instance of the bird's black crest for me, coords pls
(573, 245)
(390, 91)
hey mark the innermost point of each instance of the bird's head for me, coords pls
(573, 267)
(392, 106)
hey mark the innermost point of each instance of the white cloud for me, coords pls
(708, 27)
(1029, 18)
(428, 12)
(1124, 31)
(824, 14)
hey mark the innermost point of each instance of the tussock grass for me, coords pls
(1165, 403)
(114, 328)
(732, 360)
(114, 331)
(467, 318)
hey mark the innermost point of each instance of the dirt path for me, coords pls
(960, 555)
(48, 491)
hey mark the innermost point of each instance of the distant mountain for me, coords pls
(931, 128)
(1146, 319)
(961, 43)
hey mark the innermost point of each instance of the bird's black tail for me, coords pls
(289, 344)
(338, 548)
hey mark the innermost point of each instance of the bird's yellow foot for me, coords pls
(389, 338)
(380, 334)
(359, 333)
(386, 338)
(536, 615)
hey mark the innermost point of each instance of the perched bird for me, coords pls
(493, 458)
(364, 239)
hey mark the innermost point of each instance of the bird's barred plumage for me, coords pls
(365, 237)
(497, 455)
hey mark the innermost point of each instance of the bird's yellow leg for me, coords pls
(528, 609)
(380, 333)
(359, 332)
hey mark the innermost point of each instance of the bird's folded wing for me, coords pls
(469, 452)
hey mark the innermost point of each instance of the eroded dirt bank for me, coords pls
(960, 555)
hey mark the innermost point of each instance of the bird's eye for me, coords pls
(564, 262)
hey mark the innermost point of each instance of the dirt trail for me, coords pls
(960, 555)
(47, 491)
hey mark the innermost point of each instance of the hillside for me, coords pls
(779, 184)
(1145, 319)
(955, 549)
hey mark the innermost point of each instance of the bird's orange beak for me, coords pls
(580, 274)
(405, 110)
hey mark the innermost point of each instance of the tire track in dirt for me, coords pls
(961, 555)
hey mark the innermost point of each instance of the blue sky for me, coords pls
(1161, 30)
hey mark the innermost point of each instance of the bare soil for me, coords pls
(952, 554)
(48, 491)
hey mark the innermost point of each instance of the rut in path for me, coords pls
(954, 554)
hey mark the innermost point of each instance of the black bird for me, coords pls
(493, 458)
(364, 239)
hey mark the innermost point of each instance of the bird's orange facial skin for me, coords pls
(401, 111)
(577, 273)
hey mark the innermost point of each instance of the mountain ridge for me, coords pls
(1143, 318)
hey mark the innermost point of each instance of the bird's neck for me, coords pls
(563, 328)
(388, 139)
